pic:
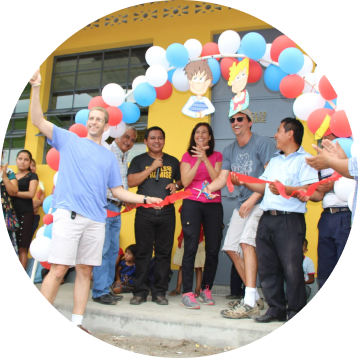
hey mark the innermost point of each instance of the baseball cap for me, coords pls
(244, 111)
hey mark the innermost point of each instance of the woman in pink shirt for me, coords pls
(198, 164)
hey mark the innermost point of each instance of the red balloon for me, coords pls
(209, 49)
(165, 91)
(278, 45)
(48, 219)
(79, 129)
(45, 265)
(115, 116)
(339, 125)
(255, 71)
(53, 159)
(292, 86)
(316, 118)
(97, 102)
(326, 90)
(225, 65)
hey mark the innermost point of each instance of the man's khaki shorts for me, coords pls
(242, 231)
(76, 241)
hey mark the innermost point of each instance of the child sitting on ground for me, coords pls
(125, 271)
(308, 269)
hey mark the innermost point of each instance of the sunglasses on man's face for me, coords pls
(239, 119)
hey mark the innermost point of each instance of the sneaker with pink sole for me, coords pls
(205, 297)
(188, 301)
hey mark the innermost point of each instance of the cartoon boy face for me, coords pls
(199, 84)
(240, 81)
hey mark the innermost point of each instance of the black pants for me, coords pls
(237, 287)
(193, 214)
(279, 251)
(153, 227)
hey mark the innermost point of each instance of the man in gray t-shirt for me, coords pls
(248, 155)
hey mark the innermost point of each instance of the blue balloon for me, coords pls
(46, 205)
(239, 51)
(273, 77)
(346, 144)
(170, 75)
(82, 116)
(48, 231)
(215, 69)
(145, 94)
(253, 45)
(291, 60)
(130, 111)
(327, 105)
(177, 55)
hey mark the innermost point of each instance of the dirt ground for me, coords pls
(159, 347)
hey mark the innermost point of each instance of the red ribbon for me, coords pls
(171, 199)
(280, 187)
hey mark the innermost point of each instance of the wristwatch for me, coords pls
(145, 199)
(177, 186)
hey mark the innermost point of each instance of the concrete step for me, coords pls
(205, 326)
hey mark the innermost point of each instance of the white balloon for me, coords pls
(180, 80)
(138, 80)
(267, 56)
(307, 66)
(308, 88)
(118, 131)
(41, 230)
(105, 135)
(156, 75)
(318, 74)
(350, 201)
(229, 42)
(40, 248)
(155, 55)
(343, 187)
(55, 179)
(106, 145)
(113, 94)
(194, 48)
(339, 105)
(305, 104)
(354, 149)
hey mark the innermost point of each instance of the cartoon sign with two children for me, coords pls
(200, 79)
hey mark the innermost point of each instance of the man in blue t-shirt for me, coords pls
(86, 170)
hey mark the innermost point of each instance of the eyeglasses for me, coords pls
(96, 119)
(239, 119)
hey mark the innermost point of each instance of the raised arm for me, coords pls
(138, 178)
(11, 186)
(37, 117)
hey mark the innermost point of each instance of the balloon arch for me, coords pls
(287, 70)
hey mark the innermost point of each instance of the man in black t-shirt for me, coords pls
(154, 172)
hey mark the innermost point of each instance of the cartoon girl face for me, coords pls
(240, 81)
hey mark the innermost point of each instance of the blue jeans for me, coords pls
(103, 276)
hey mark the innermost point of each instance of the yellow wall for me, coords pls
(161, 31)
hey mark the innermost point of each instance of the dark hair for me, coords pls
(27, 152)
(132, 249)
(293, 124)
(211, 141)
(305, 242)
(155, 128)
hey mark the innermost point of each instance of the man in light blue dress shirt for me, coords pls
(282, 227)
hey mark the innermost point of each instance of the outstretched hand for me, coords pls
(36, 78)
(273, 188)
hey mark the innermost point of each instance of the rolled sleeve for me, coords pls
(353, 167)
